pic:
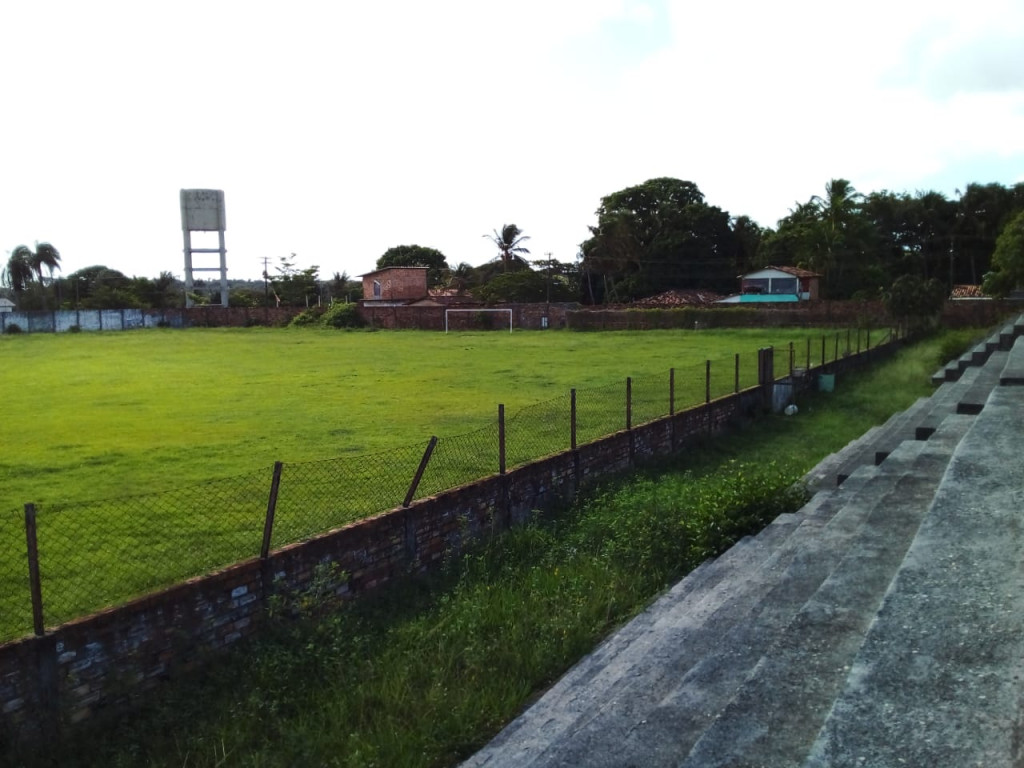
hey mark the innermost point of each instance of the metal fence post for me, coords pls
(572, 419)
(671, 391)
(736, 386)
(501, 439)
(792, 357)
(419, 471)
(35, 586)
(268, 524)
(823, 350)
(707, 381)
(629, 402)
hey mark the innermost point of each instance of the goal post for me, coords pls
(477, 311)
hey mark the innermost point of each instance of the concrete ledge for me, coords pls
(1013, 371)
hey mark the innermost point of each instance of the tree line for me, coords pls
(649, 238)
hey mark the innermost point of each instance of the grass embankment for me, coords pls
(425, 674)
(116, 417)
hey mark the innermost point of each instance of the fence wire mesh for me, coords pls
(316, 496)
(600, 411)
(460, 459)
(538, 430)
(99, 553)
(649, 395)
(15, 597)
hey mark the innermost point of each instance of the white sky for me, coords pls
(339, 129)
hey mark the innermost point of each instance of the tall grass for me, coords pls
(427, 672)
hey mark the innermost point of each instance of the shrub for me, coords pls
(307, 317)
(342, 315)
(13, 328)
(74, 329)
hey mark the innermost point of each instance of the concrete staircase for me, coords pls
(881, 625)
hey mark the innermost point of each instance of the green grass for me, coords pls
(426, 674)
(169, 436)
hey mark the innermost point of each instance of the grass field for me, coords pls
(172, 433)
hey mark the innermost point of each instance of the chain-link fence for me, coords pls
(101, 553)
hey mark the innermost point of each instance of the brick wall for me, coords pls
(431, 318)
(396, 283)
(101, 663)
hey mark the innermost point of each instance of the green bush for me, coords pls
(342, 315)
(13, 328)
(306, 318)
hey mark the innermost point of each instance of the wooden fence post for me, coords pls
(268, 523)
(35, 585)
(736, 385)
(707, 382)
(671, 391)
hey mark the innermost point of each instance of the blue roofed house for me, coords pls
(777, 285)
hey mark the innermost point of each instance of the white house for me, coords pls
(777, 285)
(6, 305)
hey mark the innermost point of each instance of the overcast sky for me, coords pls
(339, 129)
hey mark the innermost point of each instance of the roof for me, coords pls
(5, 302)
(967, 292)
(794, 271)
(388, 269)
(680, 298)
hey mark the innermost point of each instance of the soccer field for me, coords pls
(115, 414)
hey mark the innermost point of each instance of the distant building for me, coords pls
(777, 285)
(6, 305)
(399, 285)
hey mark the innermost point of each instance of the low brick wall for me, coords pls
(105, 661)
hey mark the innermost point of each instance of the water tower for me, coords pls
(202, 210)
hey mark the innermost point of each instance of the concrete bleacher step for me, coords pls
(653, 668)
(1012, 373)
(972, 401)
(938, 679)
(776, 714)
(965, 395)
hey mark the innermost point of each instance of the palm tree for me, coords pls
(18, 273)
(509, 242)
(26, 263)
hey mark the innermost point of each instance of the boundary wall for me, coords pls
(100, 664)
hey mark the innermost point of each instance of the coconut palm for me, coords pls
(25, 265)
(509, 242)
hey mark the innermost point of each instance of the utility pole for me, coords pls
(266, 283)
(547, 312)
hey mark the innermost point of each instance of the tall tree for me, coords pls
(18, 272)
(510, 245)
(45, 256)
(1007, 260)
(657, 236)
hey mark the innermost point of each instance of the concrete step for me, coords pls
(938, 680)
(1012, 373)
(775, 716)
(974, 398)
